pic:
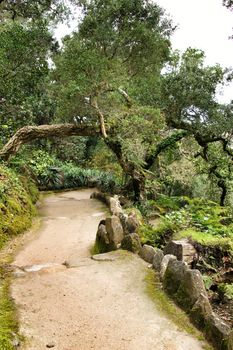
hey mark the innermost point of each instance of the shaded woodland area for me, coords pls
(115, 107)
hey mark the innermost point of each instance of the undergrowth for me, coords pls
(17, 198)
(202, 221)
(8, 321)
(52, 174)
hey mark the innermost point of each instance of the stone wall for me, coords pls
(174, 266)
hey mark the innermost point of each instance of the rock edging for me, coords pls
(183, 284)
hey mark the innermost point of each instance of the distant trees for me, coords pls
(25, 46)
(116, 77)
(32, 9)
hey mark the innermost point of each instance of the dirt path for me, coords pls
(94, 305)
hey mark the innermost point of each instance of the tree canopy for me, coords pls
(118, 71)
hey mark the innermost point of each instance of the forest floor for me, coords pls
(86, 304)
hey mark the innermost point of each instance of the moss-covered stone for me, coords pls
(200, 311)
(218, 333)
(191, 288)
(168, 307)
(174, 275)
(131, 242)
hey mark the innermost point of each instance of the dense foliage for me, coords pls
(198, 219)
(17, 196)
(155, 130)
(156, 109)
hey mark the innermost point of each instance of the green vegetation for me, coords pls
(8, 322)
(18, 195)
(50, 173)
(109, 81)
(225, 291)
(140, 119)
(17, 198)
(207, 239)
(200, 220)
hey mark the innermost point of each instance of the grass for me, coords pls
(94, 249)
(166, 306)
(8, 315)
(8, 320)
(17, 198)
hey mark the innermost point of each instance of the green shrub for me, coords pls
(75, 177)
(225, 291)
(170, 203)
(8, 321)
(208, 281)
(51, 174)
(156, 237)
(162, 205)
(16, 204)
(202, 221)
(204, 216)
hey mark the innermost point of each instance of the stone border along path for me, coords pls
(173, 265)
(68, 301)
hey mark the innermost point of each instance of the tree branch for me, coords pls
(226, 149)
(94, 104)
(126, 97)
(165, 144)
(30, 133)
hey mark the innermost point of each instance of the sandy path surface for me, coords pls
(94, 305)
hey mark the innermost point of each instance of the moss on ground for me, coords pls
(95, 249)
(207, 239)
(8, 320)
(167, 307)
(17, 198)
(203, 221)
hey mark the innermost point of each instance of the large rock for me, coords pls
(174, 275)
(115, 206)
(201, 311)
(104, 257)
(147, 253)
(230, 341)
(102, 240)
(131, 242)
(164, 264)
(123, 218)
(102, 233)
(183, 250)
(219, 333)
(101, 197)
(132, 223)
(114, 231)
(190, 289)
(157, 261)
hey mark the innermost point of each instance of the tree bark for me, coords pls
(223, 187)
(139, 188)
(30, 133)
(138, 178)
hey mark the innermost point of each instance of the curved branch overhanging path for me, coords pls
(95, 305)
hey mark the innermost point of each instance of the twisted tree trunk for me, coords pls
(30, 133)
